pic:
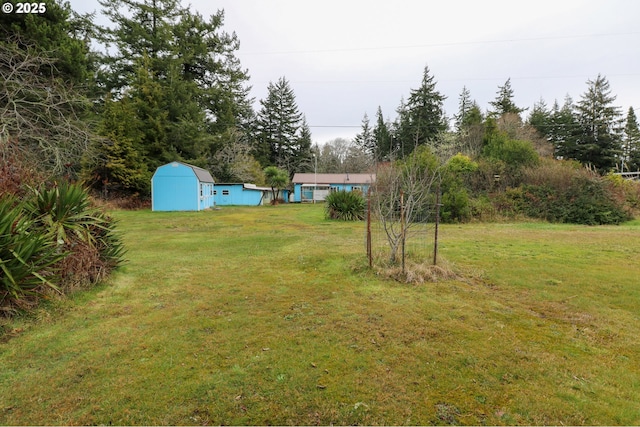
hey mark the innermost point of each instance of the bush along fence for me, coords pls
(53, 240)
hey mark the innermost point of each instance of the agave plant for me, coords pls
(27, 256)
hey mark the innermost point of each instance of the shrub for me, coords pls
(27, 256)
(455, 205)
(585, 201)
(54, 240)
(88, 234)
(345, 205)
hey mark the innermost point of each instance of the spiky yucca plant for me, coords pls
(27, 255)
(345, 205)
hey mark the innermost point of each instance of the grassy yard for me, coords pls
(268, 316)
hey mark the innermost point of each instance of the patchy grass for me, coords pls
(266, 316)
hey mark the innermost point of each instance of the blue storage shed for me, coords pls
(244, 194)
(178, 186)
(241, 194)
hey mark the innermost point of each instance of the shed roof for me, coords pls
(334, 178)
(203, 175)
(245, 186)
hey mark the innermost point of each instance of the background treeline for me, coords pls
(108, 104)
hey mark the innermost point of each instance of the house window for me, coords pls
(356, 188)
(215, 192)
(225, 192)
(201, 190)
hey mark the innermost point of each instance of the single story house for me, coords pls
(178, 186)
(310, 187)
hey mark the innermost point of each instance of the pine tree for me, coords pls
(563, 129)
(422, 118)
(540, 117)
(365, 139)
(55, 34)
(600, 140)
(278, 123)
(503, 104)
(304, 159)
(465, 105)
(631, 147)
(115, 164)
(382, 138)
(181, 73)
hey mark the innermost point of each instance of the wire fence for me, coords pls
(398, 234)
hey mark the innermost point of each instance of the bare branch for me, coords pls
(38, 112)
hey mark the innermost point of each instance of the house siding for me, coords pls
(303, 184)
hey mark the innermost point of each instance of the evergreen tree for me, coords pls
(631, 147)
(563, 129)
(382, 138)
(422, 118)
(115, 164)
(465, 106)
(56, 34)
(278, 124)
(365, 139)
(600, 140)
(540, 117)
(304, 159)
(180, 72)
(503, 103)
(144, 30)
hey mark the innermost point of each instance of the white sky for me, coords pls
(345, 58)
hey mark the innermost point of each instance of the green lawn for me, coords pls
(267, 315)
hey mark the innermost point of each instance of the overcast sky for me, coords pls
(344, 58)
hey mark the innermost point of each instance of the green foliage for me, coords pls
(65, 211)
(503, 104)
(461, 165)
(455, 196)
(345, 205)
(455, 205)
(422, 118)
(277, 179)
(50, 240)
(180, 87)
(514, 153)
(116, 162)
(279, 125)
(585, 201)
(58, 33)
(27, 255)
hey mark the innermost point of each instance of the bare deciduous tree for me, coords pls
(404, 195)
(39, 114)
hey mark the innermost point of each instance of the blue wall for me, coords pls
(175, 187)
(236, 194)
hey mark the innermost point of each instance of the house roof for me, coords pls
(333, 178)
